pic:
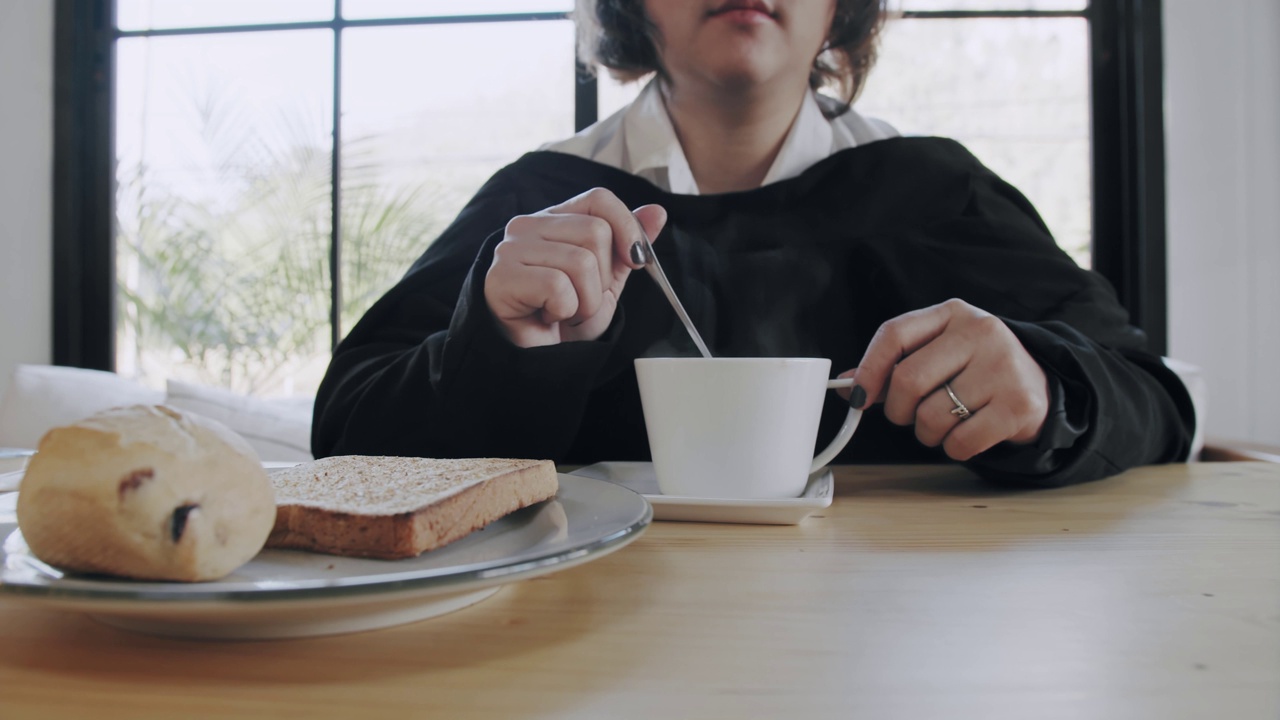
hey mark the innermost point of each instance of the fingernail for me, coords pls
(857, 396)
(637, 253)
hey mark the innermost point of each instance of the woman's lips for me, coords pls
(744, 12)
(744, 15)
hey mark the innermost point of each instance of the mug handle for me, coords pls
(846, 431)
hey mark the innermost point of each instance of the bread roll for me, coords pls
(146, 492)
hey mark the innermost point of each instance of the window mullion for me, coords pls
(84, 292)
(335, 196)
(1128, 159)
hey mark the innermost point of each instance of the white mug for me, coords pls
(737, 427)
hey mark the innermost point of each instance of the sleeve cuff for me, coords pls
(1049, 452)
(1066, 424)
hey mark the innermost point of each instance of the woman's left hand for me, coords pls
(913, 357)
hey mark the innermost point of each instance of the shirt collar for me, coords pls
(807, 142)
(653, 151)
(651, 147)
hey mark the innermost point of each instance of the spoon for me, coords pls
(642, 254)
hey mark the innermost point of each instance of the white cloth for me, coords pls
(641, 140)
(279, 429)
(41, 397)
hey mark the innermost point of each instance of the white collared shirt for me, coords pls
(641, 140)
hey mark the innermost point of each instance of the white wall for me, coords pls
(26, 183)
(1222, 120)
(1223, 137)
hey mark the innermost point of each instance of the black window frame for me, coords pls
(1126, 134)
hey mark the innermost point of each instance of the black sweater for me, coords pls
(809, 266)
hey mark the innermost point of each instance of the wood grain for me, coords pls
(919, 593)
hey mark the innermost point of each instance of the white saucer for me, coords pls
(639, 476)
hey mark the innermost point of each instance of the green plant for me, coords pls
(231, 286)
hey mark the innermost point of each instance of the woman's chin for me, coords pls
(741, 70)
(744, 79)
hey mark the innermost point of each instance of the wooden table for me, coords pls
(920, 593)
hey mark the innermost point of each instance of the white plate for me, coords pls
(287, 593)
(639, 476)
(12, 463)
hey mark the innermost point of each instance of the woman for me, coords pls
(790, 226)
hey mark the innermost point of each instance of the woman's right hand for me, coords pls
(557, 274)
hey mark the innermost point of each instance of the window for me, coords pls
(206, 229)
(226, 234)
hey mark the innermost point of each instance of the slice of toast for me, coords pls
(399, 507)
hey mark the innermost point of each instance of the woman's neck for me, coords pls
(731, 140)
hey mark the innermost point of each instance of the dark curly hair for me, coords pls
(616, 34)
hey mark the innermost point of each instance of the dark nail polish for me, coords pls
(857, 396)
(637, 253)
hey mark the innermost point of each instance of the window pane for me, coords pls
(1014, 91)
(935, 5)
(416, 146)
(355, 9)
(223, 209)
(155, 14)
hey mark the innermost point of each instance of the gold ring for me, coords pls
(959, 410)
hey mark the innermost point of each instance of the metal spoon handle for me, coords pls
(642, 252)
